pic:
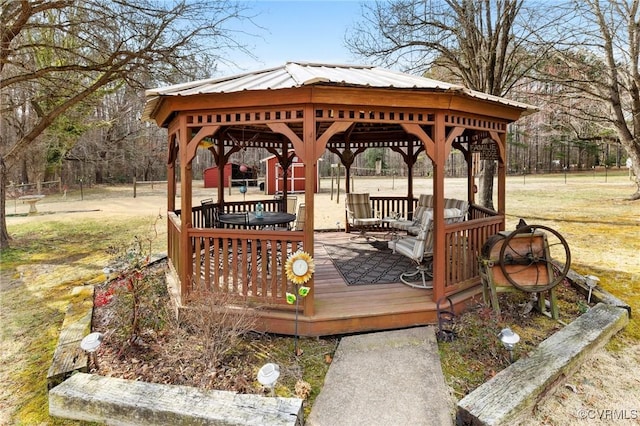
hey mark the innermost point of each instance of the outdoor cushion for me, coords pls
(414, 247)
(418, 214)
(360, 214)
(366, 221)
(425, 200)
(359, 206)
(455, 211)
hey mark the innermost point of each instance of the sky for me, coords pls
(303, 30)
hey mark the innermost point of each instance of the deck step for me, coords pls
(111, 400)
(512, 394)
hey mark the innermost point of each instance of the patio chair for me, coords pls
(360, 215)
(299, 223)
(420, 250)
(209, 213)
(291, 204)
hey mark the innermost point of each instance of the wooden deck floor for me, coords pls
(341, 309)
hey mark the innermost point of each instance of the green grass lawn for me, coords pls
(46, 259)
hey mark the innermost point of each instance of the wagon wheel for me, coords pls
(525, 258)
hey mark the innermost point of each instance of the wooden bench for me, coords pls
(513, 393)
(111, 400)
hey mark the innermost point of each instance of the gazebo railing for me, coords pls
(479, 212)
(269, 205)
(463, 242)
(387, 206)
(247, 265)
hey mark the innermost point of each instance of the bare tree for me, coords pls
(57, 57)
(598, 71)
(488, 45)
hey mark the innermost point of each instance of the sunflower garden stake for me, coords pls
(299, 268)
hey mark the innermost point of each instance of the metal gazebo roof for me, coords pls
(299, 74)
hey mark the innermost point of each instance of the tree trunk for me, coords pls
(4, 235)
(23, 172)
(635, 167)
(486, 183)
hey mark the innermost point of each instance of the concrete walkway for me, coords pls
(385, 378)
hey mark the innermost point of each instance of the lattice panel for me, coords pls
(228, 118)
(380, 115)
(475, 123)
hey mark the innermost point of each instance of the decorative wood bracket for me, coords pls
(453, 134)
(416, 130)
(496, 138)
(192, 145)
(298, 144)
(405, 156)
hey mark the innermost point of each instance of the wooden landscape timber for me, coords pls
(68, 356)
(512, 394)
(111, 400)
(598, 294)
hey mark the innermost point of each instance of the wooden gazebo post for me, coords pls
(186, 266)
(500, 139)
(171, 172)
(410, 161)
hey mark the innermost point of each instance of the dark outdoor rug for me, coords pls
(368, 263)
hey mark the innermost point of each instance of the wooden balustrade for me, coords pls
(479, 212)
(269, 205)
(463, 242)
(386, 206)
(248, 265)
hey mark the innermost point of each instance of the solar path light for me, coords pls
(268, 375)
(591, 281)
(509, 339)
(90, 344)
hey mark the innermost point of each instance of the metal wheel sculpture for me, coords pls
(535, 258)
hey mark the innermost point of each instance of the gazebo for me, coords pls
(311, 108)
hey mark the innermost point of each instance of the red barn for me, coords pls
(231, 171)
(295, 176)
